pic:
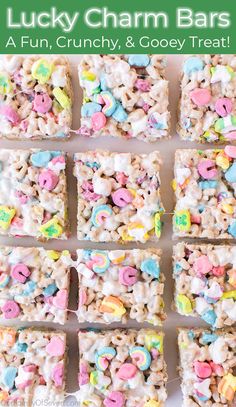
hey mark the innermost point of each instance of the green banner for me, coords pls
(124, 26)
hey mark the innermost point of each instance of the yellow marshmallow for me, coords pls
(6, 216)
(184, 304)
(152, 403)
(62, 97)
(42, 70)
(51, 229)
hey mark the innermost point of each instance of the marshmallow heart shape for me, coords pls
(200, 97)
(60, 300)
(56, 346)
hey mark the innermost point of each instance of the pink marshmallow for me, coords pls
(115, 399)
(48, 180)
(61, 299)
(206, 169)
(231, 135)
(122, 197)
(128, 276)
(83, 374)
(30, 368)
(42, 103)
(223, 107)
(23, 385)
(216, 368)
(200, 97)
(218, 271)
(121, 178)
(10, 114)
(98, 120)
(58, 374)
(230, 151)
(20, 272)
(10, 309)
(202, 265)
(22, 197)
(143, 85)
(202, 369)
(56, 346)
(127, 371)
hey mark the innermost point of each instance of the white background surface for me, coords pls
(167, 149)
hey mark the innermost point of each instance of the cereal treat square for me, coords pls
(118, 196)
(207, 111)
(124, 368)
(124, 96)
(119, 285)
(32, 365)
(205, 282)
(34, 284)
(205, 193)
(207, 367)
(35, 97)
(33, 194)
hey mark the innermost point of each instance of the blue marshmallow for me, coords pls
(8, 376)
(202, 397)
(208, 338)
(88, 109)
(177, 268)
(230, 175)
(21, 347)
(56, 153)
(139, 60)
(103, 83)
(50, 290)
(209, 317)
(193, 64)
(151, 267)
(120, 114)
(41, 159)
(29, 288)
(208, 184)
(232, 229)
(191, 335)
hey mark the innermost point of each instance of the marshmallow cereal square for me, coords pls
(204, 185)
(35, 97)
(34, 284)
(207, 367)
(32, 366)
(118, 196)
(205, 282)
(125, 368)
(124, 96)
(207, 110)
(33, 194)
(118, 285)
